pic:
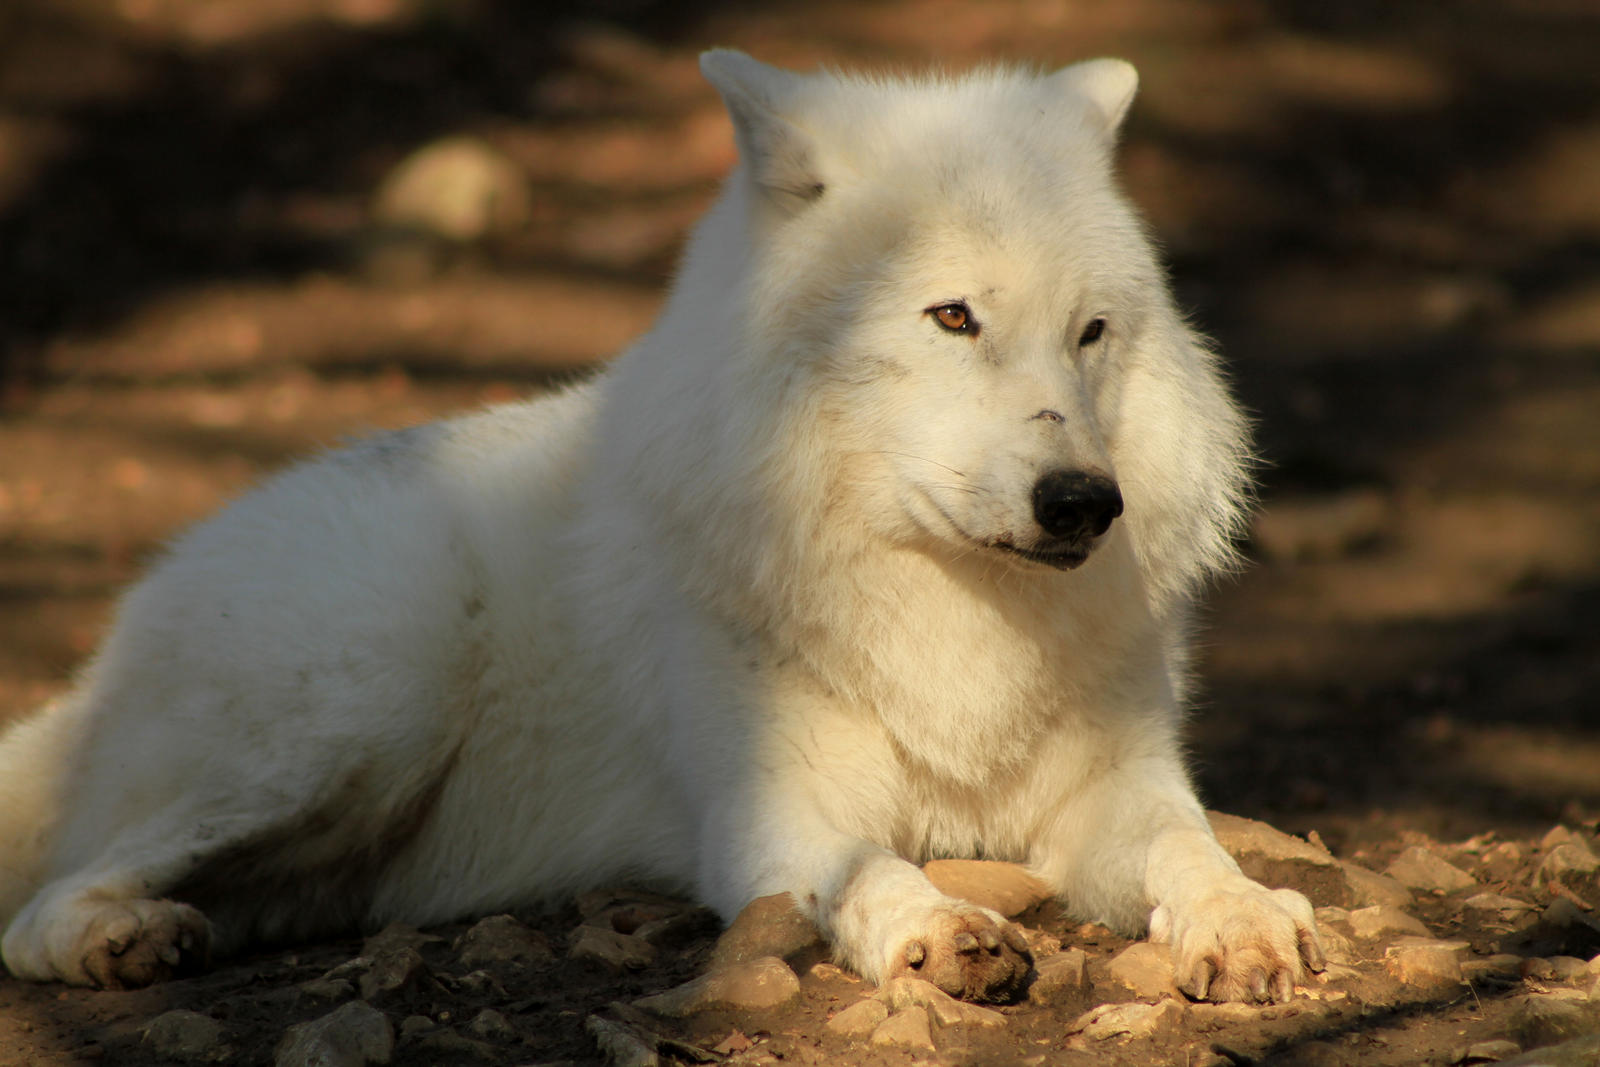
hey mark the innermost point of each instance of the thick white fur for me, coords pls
(730, 617)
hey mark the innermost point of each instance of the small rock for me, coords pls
(1423, 961)
(1146, 970)
(1493, 905)
(502, 939)
(859, 1018)
(188, 1036)
(621, 1044)
(1485, 1052)
(459, 188)
(1274, 858)
(1548, 1018)
(1557, 835)
(1041, 943)
(1007, 888)
(396, 971)
(906, 1029)
(1502, 861)
(480, 984)
(1059, 977)
(1567, 863)
(1381, 920)
(1502, 967)
(768, 926)
(1579, 1052)
(412, 1025)
(448, 1043)
(1419, 869)
(1555, 969)
(327, 988)
(397, 936)
(491, 1025)
(902, 993)
(1126, 1020)
(1369, 888)
(353, 1036)
(618, 952)
(831, 972)
(761, 983)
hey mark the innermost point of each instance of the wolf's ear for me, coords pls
(1107, 84)
(780, 156)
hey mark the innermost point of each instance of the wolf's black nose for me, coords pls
(1073, 505)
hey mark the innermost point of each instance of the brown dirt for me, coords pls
(1384, 213)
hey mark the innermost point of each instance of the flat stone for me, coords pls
(862, 1017)
(1381, 920)
(1007, 888)
(906, 1029)
(1063, 976)
(756, 984)
(492, 1026)
(768, 926)
(1498, 906)
(620, 1044)
(1485, 1052)
(502, 939)
(1366, 888)
(1145, 969)
(902, 993)
(1423, 961)
(352, 1036)
(188, 1036)
(327, 988)
(1502, 966)
(1570, 862)
(1566, 969)
(396, 971)
(1549, 1018)
(1419, 869)
(1127, 1020)
(618, 952)
(1274, 858)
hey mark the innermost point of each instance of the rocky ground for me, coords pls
(233, 233)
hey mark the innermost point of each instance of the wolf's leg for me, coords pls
(882, 914)
(1136, 839)
(105, 924)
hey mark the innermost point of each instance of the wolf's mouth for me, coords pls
(1062, 559)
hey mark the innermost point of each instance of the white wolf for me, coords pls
(829, 574)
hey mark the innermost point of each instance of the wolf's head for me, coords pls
(936, 322)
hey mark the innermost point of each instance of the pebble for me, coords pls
(618, 952)
(768, 926)
(502, 939)
(1485, 1052)
(1568, 862)
(457, 188)
(1422, 961)
(760, 983)
(1419, 869)
(1382, 919)
(1274, 858)
(1007, 888)
(621, 1045)
(1369, 888)
(859, 1018)
(1145, 969)
(906, 1029)
(903, 993)
(1494, 904)
(1059, 977)
(188, 1036)
(352, 1036)
(1126, 1020)
(395, 971)
(491, 1025)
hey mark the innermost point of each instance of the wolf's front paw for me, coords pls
(1243, 942)
(968, 952)
(127, 944)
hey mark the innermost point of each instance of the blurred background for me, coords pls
(233, 231)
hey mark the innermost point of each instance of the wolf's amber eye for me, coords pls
(955, 317)
(1091, 333)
